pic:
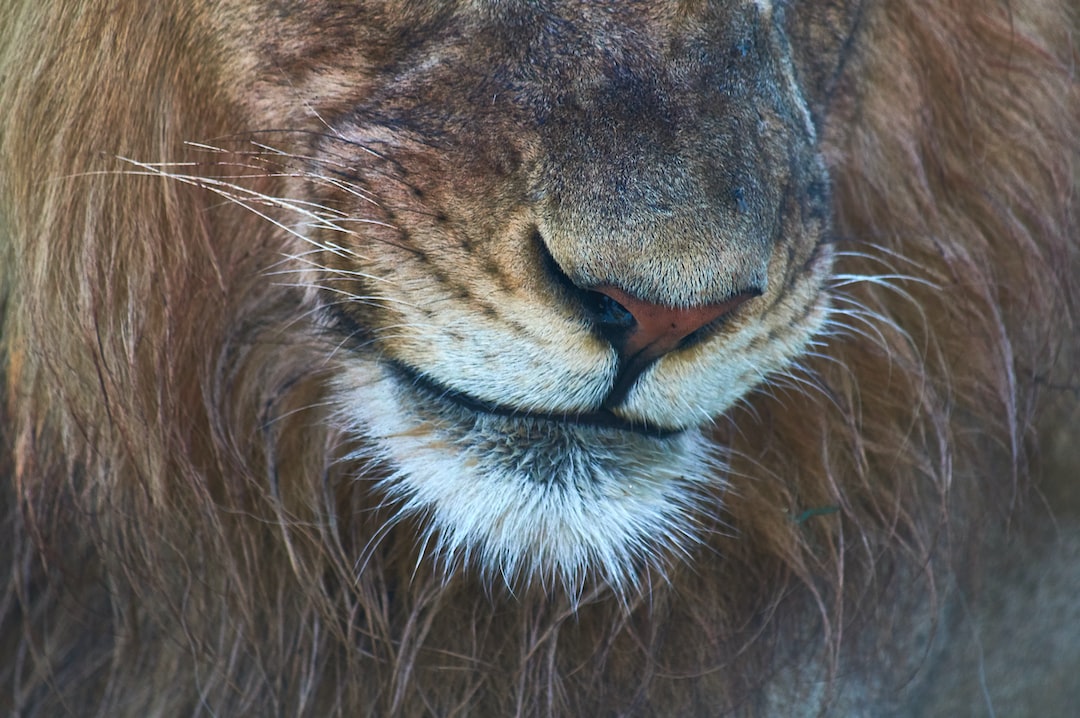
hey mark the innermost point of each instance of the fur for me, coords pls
(203, 520)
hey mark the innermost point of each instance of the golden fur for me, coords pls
(194, 529)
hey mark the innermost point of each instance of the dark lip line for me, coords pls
(603, 419)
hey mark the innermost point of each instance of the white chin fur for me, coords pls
(531, 499)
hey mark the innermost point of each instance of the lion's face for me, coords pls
(554, 241)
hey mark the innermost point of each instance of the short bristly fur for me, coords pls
(213, 508)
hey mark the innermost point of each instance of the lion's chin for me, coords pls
(526, 498)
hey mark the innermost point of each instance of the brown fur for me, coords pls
(186, 531)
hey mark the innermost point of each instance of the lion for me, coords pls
(637, 357)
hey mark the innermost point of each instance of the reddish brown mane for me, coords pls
(183, 511)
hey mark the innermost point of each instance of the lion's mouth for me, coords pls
(421, 384)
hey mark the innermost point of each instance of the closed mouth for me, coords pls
(600, 419)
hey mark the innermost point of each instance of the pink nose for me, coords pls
(657, 329)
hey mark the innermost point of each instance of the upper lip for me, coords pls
(602, 418)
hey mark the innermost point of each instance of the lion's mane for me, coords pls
(187, 532)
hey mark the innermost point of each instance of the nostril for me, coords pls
(614, 321)
(611, 317)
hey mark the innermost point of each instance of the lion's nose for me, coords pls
(643, 331)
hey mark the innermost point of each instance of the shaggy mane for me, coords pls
(184, 511)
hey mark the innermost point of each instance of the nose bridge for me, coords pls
(678, 264)
(663, 178)
(665, 234)
(668, 205)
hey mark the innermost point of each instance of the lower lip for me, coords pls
(602, 419)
